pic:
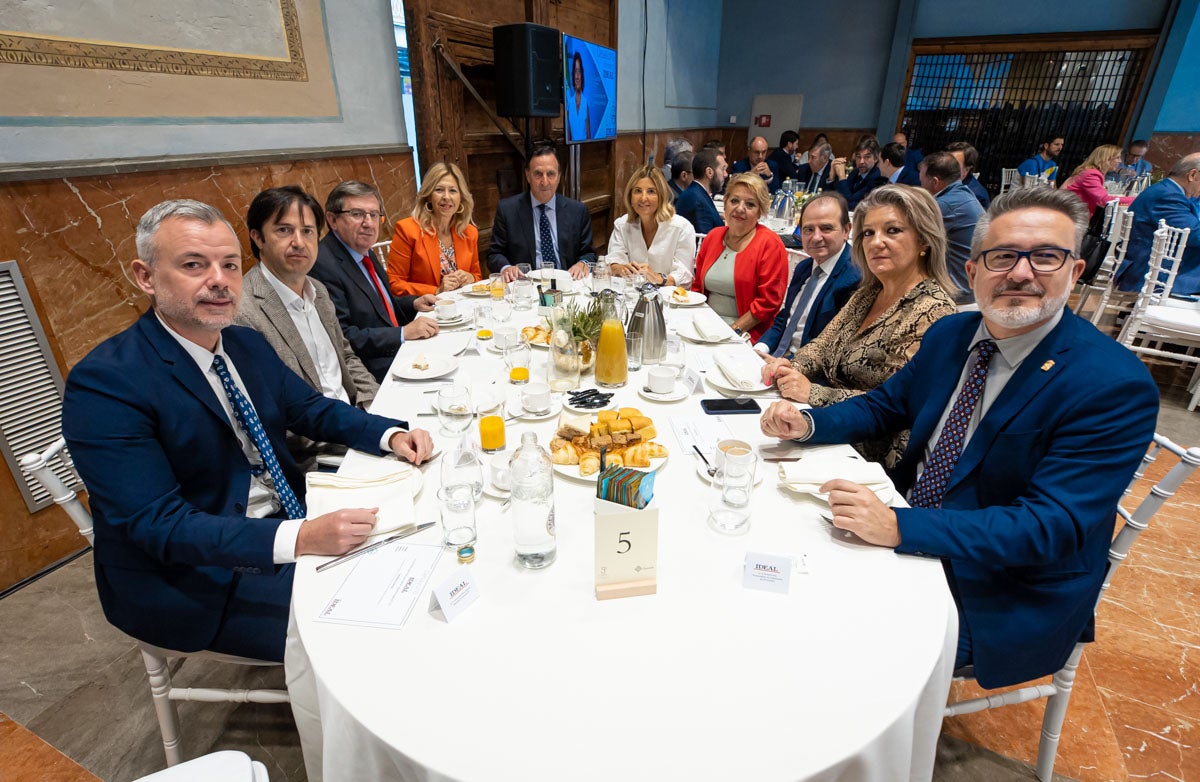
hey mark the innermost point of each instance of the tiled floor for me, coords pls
(71, 679)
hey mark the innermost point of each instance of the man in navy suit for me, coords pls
(816, 175)
(813, 299)
(784, 155)
(177, 426)
(893, 168)
(1174, 199)
(968, 159)
(540, 227)
(695, 204)
(757, 162)
(1016, 460)
(912, 157)
(942, 177)
(864, 178)
(374, 321)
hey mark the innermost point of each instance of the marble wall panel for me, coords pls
(73, 239)
(1166, 148)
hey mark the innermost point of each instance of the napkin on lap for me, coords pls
(391, 493)
(742, 368)
(709, 325)
(808, 475)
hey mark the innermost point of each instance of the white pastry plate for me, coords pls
(694, 298)
(885, 495)
(688, 332)
(474, 294)
(439, 366)
(572, 470)
(449, 323)
(721, 383)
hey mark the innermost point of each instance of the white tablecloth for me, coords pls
(845, 677)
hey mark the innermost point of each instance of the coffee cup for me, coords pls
(728, 446)
(660, 380)
(535, 398)
(446, 310)
(501, 472)
(506, 337)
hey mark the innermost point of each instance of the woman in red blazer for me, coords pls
(1087, 181)
(742, 267)
(437, 249)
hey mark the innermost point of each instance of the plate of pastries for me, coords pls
(626, 436)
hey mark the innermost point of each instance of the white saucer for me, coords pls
(522, 414)
(678, 394)
(718, 381)
(457, 320)
(702, 471)
(885, 497)
(688, 331)
(495, 492)
(486, 293)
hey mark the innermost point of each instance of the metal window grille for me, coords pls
(1005, 95)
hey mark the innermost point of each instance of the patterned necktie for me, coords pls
(931, 486)
(806, 294)
(546, 240)
(252, 426)
(387, 305)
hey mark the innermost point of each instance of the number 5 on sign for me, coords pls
(626, 551)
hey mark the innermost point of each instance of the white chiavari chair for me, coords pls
(1119, 301)
(227, 765)
(1009, 179)
(380, 252)
(1113, 220)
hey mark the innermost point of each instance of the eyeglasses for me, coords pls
(1041, 259)
(358, 215)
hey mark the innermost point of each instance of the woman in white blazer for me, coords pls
(650, 238)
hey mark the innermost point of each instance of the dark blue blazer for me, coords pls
(1164, 200)
(976, 187)
(697, 207)
(167, 481)
(513, 240)
(1028, 515)
(855, 187)
(908, 176)
(834, 294)
(804, 175)
(743, 167)
(360, 311)
(785, 164)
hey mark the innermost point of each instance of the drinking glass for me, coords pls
(454, 409)
(633, 351)
(457, 506)
(517, 358)
(496, 286)
(673, 353)
(464, 466)
(523, 295)
(732, 486)
(523, 269)
(501, 310)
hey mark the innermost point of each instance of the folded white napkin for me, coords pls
(391, 493)
(741, 368)
(809, 474)
(709, 325)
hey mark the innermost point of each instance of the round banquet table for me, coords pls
(845, 677)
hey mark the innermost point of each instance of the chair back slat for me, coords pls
(38, 465)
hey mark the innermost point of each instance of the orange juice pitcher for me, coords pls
(611, 368)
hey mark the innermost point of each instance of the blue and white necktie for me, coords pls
(252, 426)
(546, 240)
(931, 486)
(806, 294)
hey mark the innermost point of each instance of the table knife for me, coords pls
(403, 533)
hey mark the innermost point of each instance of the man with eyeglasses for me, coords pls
(1026, 425)
(373, 320)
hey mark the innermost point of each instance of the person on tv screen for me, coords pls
(579, 118)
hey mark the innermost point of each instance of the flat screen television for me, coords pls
(589, 91)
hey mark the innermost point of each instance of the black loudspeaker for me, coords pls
(528, 76)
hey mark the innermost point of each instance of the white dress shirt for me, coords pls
(303, 312)
(672, 252)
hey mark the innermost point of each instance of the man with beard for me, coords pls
(1015, 463)
(177, 426)
(293, 311)
(695, 204)
(1043, 163)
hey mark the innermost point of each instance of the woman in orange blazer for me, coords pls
(437, 249)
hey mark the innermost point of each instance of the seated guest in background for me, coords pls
(942, 177)
(1012, 474)
(177, 427)
(900, 250)
(673, 148)
(717, 146)
(681, 173)
(742, 267)
(756, 163)
(1133, 163)
(650, 238)
(891, 166)
(696, 203)
(1087, 180)
(374, 321)
(1174, 200)
(816, 176)
(864, 178)
(436, 249)
(1042, 163)
(818, 139)
(784, 156)
(912, 157)
(293, 311)
(968, 159)
(540, 227)
(821, 284)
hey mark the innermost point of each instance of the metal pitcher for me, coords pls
(647, 320)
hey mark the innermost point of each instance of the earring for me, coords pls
(428, 207)
(923, 253)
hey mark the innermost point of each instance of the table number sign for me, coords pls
(455, 594)
(626, 551)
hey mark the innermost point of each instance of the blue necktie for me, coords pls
(931, 486)
(810, 289)
(545, 240)
(252, 426)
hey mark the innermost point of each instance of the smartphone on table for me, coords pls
(729, 406)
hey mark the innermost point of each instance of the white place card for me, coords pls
(691, 380)
(767, 572)
(455, 594)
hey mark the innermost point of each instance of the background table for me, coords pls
(845, 677)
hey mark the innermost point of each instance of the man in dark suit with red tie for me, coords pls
(374, 321)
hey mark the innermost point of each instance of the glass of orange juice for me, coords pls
(496, 283)
(612, 369)
(517, 358)
(491, 433)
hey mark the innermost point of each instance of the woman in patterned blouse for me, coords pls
(899, 245)
(437, 248)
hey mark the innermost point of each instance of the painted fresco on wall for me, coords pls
(78, 61)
